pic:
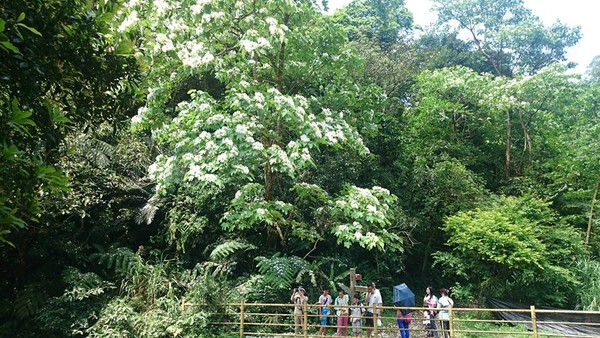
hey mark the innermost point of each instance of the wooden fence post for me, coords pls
(451, 322)
(242, 319)
(375, 320)
(305, 320)
(534, 322)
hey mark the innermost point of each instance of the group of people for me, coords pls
(352, 313)
(347, 313)
(438, 312)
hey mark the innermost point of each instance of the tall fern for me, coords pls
(281, 271)
(225, 250)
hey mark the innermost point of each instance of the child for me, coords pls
(356, 315)
(325, 302)
(427, 324)
(341, 310)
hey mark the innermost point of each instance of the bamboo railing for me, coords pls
(277, 320)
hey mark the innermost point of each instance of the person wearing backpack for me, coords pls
(403, 321)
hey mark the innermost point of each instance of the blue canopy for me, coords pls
(404, 297)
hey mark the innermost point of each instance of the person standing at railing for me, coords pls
(403, 321)
(357, 313)
(427, 319)
(300, 299)
(325, 301)
(373, 301)
(431, 301)
(444, 304)
(341, 311)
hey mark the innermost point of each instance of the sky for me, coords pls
(582, 13)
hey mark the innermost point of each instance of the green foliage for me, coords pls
(380, 21)
(507, 34)
(513, 244)
(588, 273)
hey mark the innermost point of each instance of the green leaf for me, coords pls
(2, 25)
(21, 17)
(10, 47)
(31, 29)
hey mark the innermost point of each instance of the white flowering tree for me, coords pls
(243, 158)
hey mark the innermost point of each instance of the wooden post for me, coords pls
(375, 320)
(242, 319)
(352, 282)
(182, 305)
(534, 322)
(451, 322)
(305, 321)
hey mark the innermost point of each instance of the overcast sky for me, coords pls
(582, 13)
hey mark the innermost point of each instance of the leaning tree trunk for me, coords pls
(590, 219)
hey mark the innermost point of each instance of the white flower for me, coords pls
(241, 129)
(371, 208)
(196, 9)
(209, 178)
(243, 169)
(161, 6)
(343, 227)
(208, 57)
(129, 21)
(354, 204)
(136, 119)
(304, 138)
(259, 97)
(221, 132)
(249, 46)
(264, 42)
(222, 157)
(380, 189)
(261, 211)
(257, 146)
(358, 235)
(194, 171)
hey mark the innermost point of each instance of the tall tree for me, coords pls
(511, 38)
(250, 148)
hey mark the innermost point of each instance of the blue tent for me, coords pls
(404, 297)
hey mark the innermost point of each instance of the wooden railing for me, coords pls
(277, 320)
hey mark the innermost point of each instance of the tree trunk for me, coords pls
(590, 219)
(507, 154)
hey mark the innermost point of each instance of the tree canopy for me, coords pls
(160, 152)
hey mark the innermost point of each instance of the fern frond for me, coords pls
(279, 271)
(28, 302)
(227, 249)
(147, 213)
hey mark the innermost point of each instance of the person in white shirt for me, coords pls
(444, 303)
(356, 316)
(341, 311)
(374, 303)
(299, 298)
(431, 301)
(325, 301)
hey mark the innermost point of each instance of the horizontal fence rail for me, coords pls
(279, 320)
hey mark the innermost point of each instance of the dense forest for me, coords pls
(220, 150)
